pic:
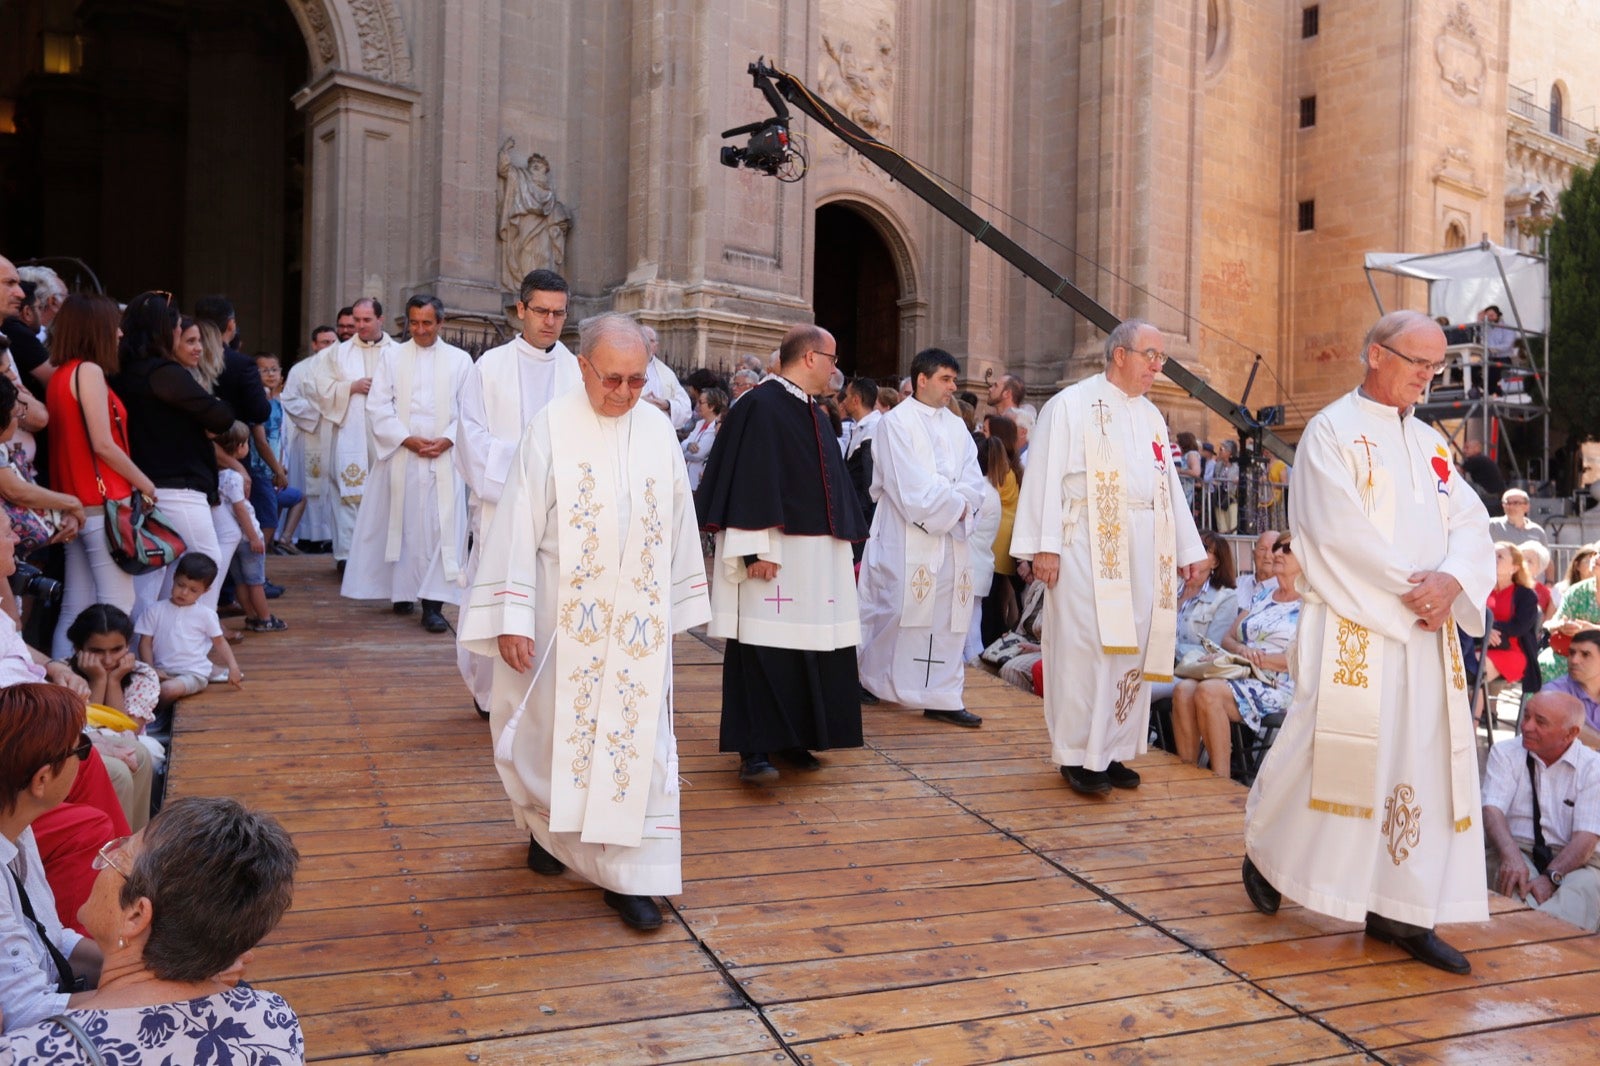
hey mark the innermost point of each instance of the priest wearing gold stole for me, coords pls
(343, 380)
(916, 571)
(410, 541)
(590, 566)
(1102, 517)
(1367, 806)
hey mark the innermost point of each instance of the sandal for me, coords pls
(269, 624)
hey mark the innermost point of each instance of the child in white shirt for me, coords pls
(176, 635)
(239, 536)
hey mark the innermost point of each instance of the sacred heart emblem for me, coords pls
(1441, 467)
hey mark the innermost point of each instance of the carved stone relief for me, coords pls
(384, 54)
(858, 79)
(534, 225)
(316, 17)
(1462, 65)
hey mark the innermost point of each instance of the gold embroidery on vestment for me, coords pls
(353, 475)
(619, 743)
(921, 583)
(584, 512)
(1458, 676)
(585, 621)
(1402, 823)
(646, 582)
(1108, 523)
(585, 721)
(1350, 668)
(1127, 691)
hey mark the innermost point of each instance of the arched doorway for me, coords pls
(857, 291)
(155, 141)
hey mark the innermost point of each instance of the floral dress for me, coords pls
(1270, 626)
(1578, 604)
(240, 1026)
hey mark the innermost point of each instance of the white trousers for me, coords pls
(91, 578)
(188, 512)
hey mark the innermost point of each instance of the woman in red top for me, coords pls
(1516, 617)
(88, 432)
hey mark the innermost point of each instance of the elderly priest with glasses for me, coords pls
(1366, 808)
(590, 566)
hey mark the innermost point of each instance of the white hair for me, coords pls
(612, 325)
(47, 283)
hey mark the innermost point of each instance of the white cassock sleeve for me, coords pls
(330, 391)
(502, 596)
(483, 459)
(297, 398)
(1038, 522)
(911, 485)
(387, 425)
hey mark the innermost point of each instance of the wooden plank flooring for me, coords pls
(938, 896)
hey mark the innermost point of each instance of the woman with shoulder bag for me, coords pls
(89, 452)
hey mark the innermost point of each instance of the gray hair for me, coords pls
(1125, 335)
(218, 877)
(746, 374)
(613, 326)
(47, 283)
(1022, 417)
(836, 380)
(1392, 325)
(753, 363)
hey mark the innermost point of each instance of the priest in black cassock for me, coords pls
(778, 498)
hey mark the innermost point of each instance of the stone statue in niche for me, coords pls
(533, 224)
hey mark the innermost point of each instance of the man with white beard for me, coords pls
(506, 387)
(343, 382)
(410, 540)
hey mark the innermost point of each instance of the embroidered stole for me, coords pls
(350, 443)
(1108, 536)
(1350, 683)
(444, 469)
(925, 555)
(611, 641)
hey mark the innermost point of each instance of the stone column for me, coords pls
(359, 177)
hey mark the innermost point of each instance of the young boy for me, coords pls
(248, 561)
(176, 635)
(270, 492)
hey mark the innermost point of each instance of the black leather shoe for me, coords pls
(757, 770)
(1265, 898)
(868, 699)
(482, 713)
(1424, 945)
(338, 565)
(640, 912)
(1089, 782)
(961, 717)
(541, 861)
(404, 607)
(1120, 776)
(432, 618)
(800, 759)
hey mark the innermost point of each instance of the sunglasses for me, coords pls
(81, 749)
(1282, 549)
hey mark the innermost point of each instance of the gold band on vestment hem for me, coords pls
(1343, 810)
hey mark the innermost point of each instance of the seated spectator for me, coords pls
(176, 634)
(176, 911)
(1579, 568)
(1259, 581)
(38, 515)
(102, 654)
(1541, 813)
(1515, 527)
(1578, 610)
(41, 747)
(1537, 557)
(1582, 681)
(1207, 607)
(1018, 653)
(697, 445)
(1510, 648)
(1204, 710)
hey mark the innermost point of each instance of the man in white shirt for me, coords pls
(505, 388)
(1550, 863)
(663, 390)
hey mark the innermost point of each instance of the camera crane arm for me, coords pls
(777, 86)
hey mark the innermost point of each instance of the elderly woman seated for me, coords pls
(1261, 634)
(175, 912)
(1206, 606)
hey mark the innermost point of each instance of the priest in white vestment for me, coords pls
(410, 544)
(308, 441)
(341, 391)
(1367, 806)
(591, 565)
(507, 386)
(663, 390)
(916, 586)
(1102, 517)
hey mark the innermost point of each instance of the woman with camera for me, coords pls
(89, 451)
(38, 515)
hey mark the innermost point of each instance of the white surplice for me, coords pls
(662, 384)
(1096, 705)
(308, 447)
(1366, 513)
(353, 452)
(423, 525)
(928, 489)
(506, 387)
(519, 590)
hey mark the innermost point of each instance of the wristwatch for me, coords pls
(1555, 877)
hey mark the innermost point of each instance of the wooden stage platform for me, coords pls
(938, 896)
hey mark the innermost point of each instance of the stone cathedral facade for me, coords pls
(1216, 166)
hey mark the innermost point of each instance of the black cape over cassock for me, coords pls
(776, 465)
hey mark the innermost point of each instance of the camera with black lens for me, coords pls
(31, 581)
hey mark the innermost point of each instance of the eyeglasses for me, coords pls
(831, 355)
(1433, 368)
(81, 750)
(164, 294)
(1153, 356)
(551, 313)
(1282, 549)
(613, 382)
(102, 858)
